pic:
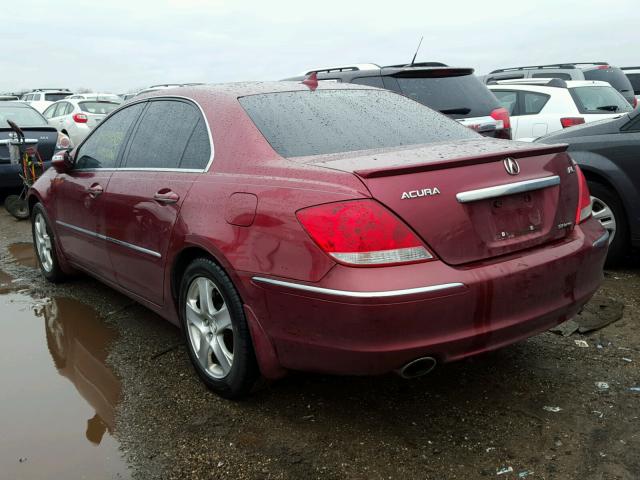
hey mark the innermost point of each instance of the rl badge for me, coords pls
(425, 192)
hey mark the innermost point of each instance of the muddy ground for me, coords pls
(95, 386)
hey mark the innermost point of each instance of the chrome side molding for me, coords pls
(346, 293)
(507, 189)
(109, 239)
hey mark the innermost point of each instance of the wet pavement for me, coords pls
(95, 386)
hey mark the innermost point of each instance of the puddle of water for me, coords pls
(58, 396)
(24, 254)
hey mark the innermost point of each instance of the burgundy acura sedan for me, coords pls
(327, 228)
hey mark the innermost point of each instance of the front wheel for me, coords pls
(216, 331)
(45, 245)
(608, 210)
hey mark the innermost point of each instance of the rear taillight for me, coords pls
(362, 233)
(635, 102)
(63, 142)
(80, 118)
(502, 114)
(584, 198)
(567, 122)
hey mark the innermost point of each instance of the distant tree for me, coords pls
(84, 90)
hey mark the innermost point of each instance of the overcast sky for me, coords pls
(115, 45)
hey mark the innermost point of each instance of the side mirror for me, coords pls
(62, 161)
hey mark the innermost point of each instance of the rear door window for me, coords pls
(533, 102)
(508, 99)
(560, 75)
(303, 123)
(599, 100)
(102, 147)
(161, 137)
(456, 96)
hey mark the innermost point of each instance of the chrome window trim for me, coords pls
(346, 293)
(148, 99)
(507, 189)
(109, 239)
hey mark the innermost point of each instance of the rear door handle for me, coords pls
(166, 196)
(95, 190)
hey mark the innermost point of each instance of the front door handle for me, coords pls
(95, 190)
(166, 196)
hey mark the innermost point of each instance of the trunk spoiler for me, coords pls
(44, 128)
(460, 161)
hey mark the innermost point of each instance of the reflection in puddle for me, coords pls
(5, 282)
(24, 254)
(49, 428)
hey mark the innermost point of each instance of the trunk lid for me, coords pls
(93, 119)
(461, 200)
(47, 138)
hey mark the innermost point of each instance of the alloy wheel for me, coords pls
(604, 214)
(209, 327)
(43, 243)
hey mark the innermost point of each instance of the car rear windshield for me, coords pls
(459, 97)
(634, 78)
(305, 123)
(98, 107)
(614, 76)
(54, 97)
(599, 100)
(21, 116)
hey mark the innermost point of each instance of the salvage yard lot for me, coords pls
(480, 418)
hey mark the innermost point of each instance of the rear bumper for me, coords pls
(431, 309)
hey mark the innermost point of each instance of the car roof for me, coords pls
(16, 103)
(243, 89)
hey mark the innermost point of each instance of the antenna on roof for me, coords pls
(413, 60)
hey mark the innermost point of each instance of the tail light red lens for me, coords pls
(635, 102)
(362, 233)
(584, 197)
(80, 118)
(502, 114)
(567, 122)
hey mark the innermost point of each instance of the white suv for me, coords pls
(541, 106)
(76, 118)
(40, 99)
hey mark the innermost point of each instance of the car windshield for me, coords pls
(462, 96)
(54, 97)
(600, 100)
(21, 116)
(305, 123)
(98, 107)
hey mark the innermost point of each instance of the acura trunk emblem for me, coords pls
(511, 166)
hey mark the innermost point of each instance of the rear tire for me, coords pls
(215, 330)
(44, 243)
(608, 210)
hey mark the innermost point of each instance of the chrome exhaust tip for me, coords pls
(417, 368)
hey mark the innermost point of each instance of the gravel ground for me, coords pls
(466, 420)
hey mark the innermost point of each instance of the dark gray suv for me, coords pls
(608, 154)
(455, 92)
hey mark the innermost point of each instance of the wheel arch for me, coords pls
(600, 169)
